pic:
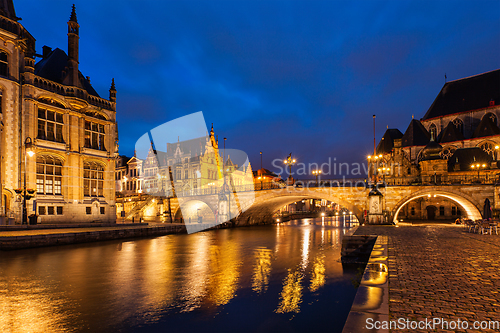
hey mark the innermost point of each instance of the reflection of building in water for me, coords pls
(262, 270)
(291, 295)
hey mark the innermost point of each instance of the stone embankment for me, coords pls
(21, 237)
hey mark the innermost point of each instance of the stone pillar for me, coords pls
(375, 214)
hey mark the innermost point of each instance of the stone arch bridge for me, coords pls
(264, 203)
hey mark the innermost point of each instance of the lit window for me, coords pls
(50, 125)
(48, 175)
(94, 135)
(93, 179)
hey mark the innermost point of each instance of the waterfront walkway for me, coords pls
(441, 271)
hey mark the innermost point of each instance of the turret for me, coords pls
(112, 91)
(73, 39)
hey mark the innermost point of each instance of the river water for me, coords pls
(276, 278)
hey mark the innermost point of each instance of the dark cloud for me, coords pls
(275, 76)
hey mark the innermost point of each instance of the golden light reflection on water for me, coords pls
(262, 270)
(193, 289)
(318, 273)
(30, 308)
(225, 266)
(100, 286)
(291, 296)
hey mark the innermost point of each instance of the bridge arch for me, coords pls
(268, 202)
(190, 210)
(463, 200)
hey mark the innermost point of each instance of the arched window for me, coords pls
(4, 64)
(489, 148)
(492, 117)
(93, 179)
(447, 152)
(433, 132)
(459, 124)
(48, 175)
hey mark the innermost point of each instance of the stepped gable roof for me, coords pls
(450, 134)
(486, 128)
(195, 147)
(387, 142)
(466, 156)
(53, 68)
(415, 135)
(466, 94)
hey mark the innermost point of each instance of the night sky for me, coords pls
(274, 76)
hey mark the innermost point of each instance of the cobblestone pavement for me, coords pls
(442, 272)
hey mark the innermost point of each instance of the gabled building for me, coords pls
(457, 141)
(51, 108)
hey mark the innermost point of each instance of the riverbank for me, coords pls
(441, 271)
(22, 237)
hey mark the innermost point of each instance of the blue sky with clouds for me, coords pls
(274, 76)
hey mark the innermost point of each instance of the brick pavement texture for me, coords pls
(441, 272)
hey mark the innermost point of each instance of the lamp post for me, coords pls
(374, 160)
(28, 151)
(478, 166)
(260, 177)
(290, 161)
(316, 173)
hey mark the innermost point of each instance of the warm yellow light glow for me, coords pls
(30, 153)
(484, 165)
(496, 147)
(322, 214)
(291, 296)
(380, 156)
(369, 156)
(472, 166)
(125, 179)
(293, 161)
(285, 161)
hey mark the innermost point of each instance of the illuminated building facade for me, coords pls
(193, 167)
(456, 142)
(72, 130)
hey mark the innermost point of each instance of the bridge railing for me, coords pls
(444, 180)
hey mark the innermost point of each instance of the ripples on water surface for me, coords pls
(285, 277)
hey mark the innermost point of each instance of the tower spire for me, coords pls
(73, 14)
(112, 91)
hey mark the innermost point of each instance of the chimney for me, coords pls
(46, 51)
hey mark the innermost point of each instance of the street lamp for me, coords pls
(478, 166)
(28, 151)
(316, 173)
(290, 161)
(384, 171)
